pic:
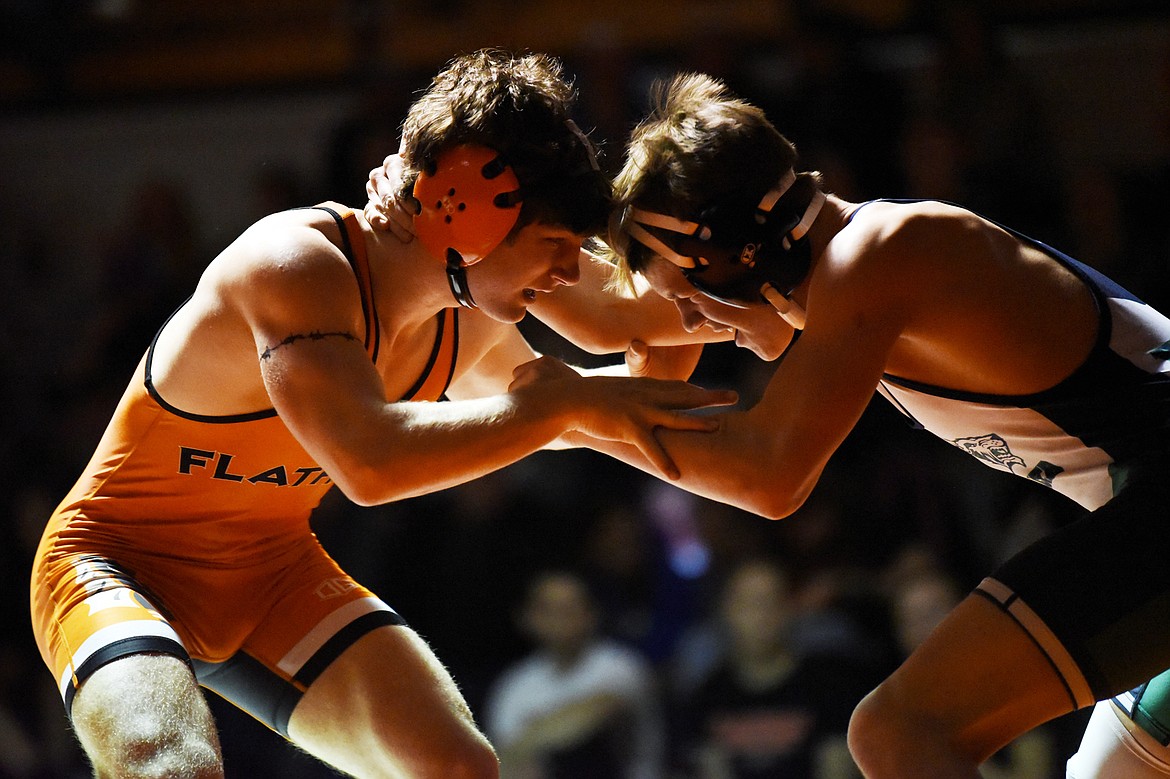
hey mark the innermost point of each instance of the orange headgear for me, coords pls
(470, 201)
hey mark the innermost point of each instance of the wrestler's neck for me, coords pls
(406, 279)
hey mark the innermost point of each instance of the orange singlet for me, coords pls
(189, 535)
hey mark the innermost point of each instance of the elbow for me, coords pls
(771, 503)
(361, 493)
(364, 485)
(773, 506)
(773, 492)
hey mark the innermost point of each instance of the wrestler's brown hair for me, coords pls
(519, 105)
(699, 146)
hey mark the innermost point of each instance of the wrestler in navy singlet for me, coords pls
(1094, 594)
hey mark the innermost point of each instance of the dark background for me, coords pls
(138, 138)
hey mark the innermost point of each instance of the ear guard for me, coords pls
(736, 255)
(470, 202)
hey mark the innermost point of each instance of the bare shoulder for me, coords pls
(286, 264)
(285, 244)
(900, 247)
(282, 277)
(884, 228)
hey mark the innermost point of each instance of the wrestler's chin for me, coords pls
(510, 313)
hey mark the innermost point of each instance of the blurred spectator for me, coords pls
(582, 706)
(921, 595)
(646, 578)
(765, 710)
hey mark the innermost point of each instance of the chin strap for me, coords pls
(810, 216)
(788, 309)
(457, 280)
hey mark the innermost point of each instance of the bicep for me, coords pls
(304, 315)
(326, 390)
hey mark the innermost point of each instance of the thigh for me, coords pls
(88, 612)
(389, 701)
(1101, 588)
(978, 681)
(317, 611)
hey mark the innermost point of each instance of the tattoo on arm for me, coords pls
(315, 335)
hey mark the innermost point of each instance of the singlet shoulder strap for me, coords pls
(354, 247)
(440, 369)
(436, 378)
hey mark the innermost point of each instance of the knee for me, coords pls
(143, 717)
(145, 744)
(892, 734)
(168, 757)
(883, 733)
(156, 755)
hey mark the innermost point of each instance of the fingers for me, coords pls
(680, 420)
(711, 398)
(637, 358)
(385, 210)
(657, 456)
(689, 396)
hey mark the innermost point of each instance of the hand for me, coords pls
(663, 362)
(622, 409)
(386, 209)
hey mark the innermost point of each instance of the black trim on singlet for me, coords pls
(370, 312)
(212, 419)
(373, 339)
(247, 684)
(253, 687)
(343, 639)
(1005, 608)
(372, 342)
(134, 645)
(1084, 275)
(454, 353)
(435, 351)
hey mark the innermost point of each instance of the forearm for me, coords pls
(413, 449)
(603, 320)
(731, 465)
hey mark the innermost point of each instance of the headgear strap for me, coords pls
(637, 220)
(639, 217)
